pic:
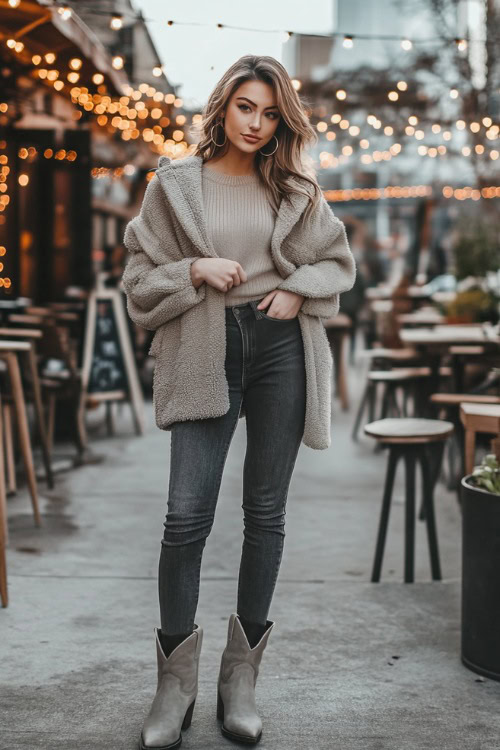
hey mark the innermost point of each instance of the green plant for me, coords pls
(487, 474)
(475, 305)
(477, 249)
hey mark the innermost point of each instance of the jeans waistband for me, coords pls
(244, 310)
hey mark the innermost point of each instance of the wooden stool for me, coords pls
(409, 439)
(8, 353)
(4, 597)
(31, 336)
(338, 331)
(398, 377)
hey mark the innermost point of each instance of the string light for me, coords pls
(367, 194)
(118, 62)
(406, 44)
(65, 12)
(348, 42)
(158, 71)
(14, 3)
(116, 22)
(471, 193)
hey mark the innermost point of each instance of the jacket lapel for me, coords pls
(182, 184)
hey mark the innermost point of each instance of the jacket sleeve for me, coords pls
(333, 271)
(157, 278)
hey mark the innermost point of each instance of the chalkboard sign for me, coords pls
(109, 371)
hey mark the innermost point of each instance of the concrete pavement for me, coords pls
(350, 664)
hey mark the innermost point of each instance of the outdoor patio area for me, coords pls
(349, 664)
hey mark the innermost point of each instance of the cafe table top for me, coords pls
(14, 346)
(448, 335)
(424, 318)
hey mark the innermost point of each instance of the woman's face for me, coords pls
(251, 110)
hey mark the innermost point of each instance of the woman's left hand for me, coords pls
(284, 304)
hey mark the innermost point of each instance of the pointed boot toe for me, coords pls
(177, 688)
(238, 673)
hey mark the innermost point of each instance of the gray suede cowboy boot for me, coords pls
(238, 673)
(177, 688)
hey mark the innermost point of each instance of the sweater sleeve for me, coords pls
(333, 272)
(156, 280)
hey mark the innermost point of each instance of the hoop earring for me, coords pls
(272, 152)
(212, 136)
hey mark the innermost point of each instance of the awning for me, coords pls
(42, 29)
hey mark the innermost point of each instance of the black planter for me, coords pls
(480, 580)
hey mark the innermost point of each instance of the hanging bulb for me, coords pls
(65, 12)
(116, 22)
(348, 42)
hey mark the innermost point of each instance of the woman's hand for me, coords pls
(220, 273)
(284, 304)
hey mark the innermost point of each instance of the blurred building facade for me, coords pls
(79, 133)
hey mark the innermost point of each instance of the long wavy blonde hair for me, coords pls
(289, 169)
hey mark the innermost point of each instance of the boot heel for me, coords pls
(220, 707)
(189, 715)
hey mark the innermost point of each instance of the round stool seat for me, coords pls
(398, 374)
(409, 431)
(398, 355)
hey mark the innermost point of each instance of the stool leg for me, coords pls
(372, 401)
(393, 399)
(384, 513)
(357, 422)
(385, 400)
(410, 517)
(9, 448)
(428, 498)
(24, 435)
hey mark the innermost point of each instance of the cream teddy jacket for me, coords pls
(189, 345)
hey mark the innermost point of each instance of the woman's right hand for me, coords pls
(220, 273)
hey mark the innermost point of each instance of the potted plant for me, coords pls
(473, 306)
(481, 566)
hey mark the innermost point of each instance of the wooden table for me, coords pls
(477, 418)
(434, 342)
(427, 318)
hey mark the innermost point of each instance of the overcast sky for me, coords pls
(196, 57)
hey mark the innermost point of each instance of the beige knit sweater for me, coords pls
(240, 222)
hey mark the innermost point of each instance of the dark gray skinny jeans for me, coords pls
(265, 369)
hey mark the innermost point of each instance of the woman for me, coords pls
(234, 259)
